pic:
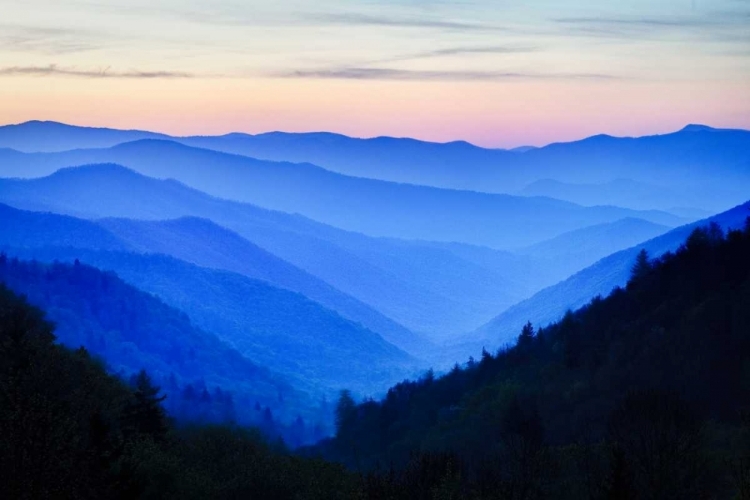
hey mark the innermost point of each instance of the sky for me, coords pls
(495, 73)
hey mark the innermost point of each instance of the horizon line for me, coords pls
(374, 137)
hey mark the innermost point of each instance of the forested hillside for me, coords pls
(68, 430)
(206, 380)
(643, 394)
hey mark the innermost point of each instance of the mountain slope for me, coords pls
(620, 192)
(46, 136)
(417, 296)
(578, 249)
(372, 207)
(25, 229)
(132, 330)
(599, 279)
(271, 326)
(206, 244)
(642, 394)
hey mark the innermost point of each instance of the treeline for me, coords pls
(643, 394)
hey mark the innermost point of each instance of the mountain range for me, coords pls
(718, 158)
(410, 282)
(269, 325)
(373, 207)
(315, 262)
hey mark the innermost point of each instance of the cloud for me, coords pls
(476, 50)
(53, 69)
(358, 73)
(460, 51)
(709, 25)
(55, 41)
(644, 22)
(357, 19)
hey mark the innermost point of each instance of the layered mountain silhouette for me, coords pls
(413, 283)
(200, 242)
(373, 207)
(269, 325)
(718, 158)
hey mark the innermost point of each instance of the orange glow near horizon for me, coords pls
(485, 113)
(498, 74)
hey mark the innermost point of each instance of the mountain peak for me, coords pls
(694, 127)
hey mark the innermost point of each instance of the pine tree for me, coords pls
(145, 414)
(346, 410)
(642, 266)
(526, 337)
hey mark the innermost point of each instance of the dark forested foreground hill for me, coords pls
(70, 431)
(644, 394)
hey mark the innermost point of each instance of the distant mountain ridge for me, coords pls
(48, 136)
(373, 207)
(719, 157)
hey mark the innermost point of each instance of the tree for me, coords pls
(527, 335)
(145, 414)
(642, 266)
(346, 411)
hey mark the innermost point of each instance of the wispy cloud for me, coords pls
(642, 21)
(461, 51)
(709, 25)
(358, 73)
(46, 40)
(359, 19)
(52, 70)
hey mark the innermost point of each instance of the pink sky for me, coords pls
(498, 74)
(485, 113)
